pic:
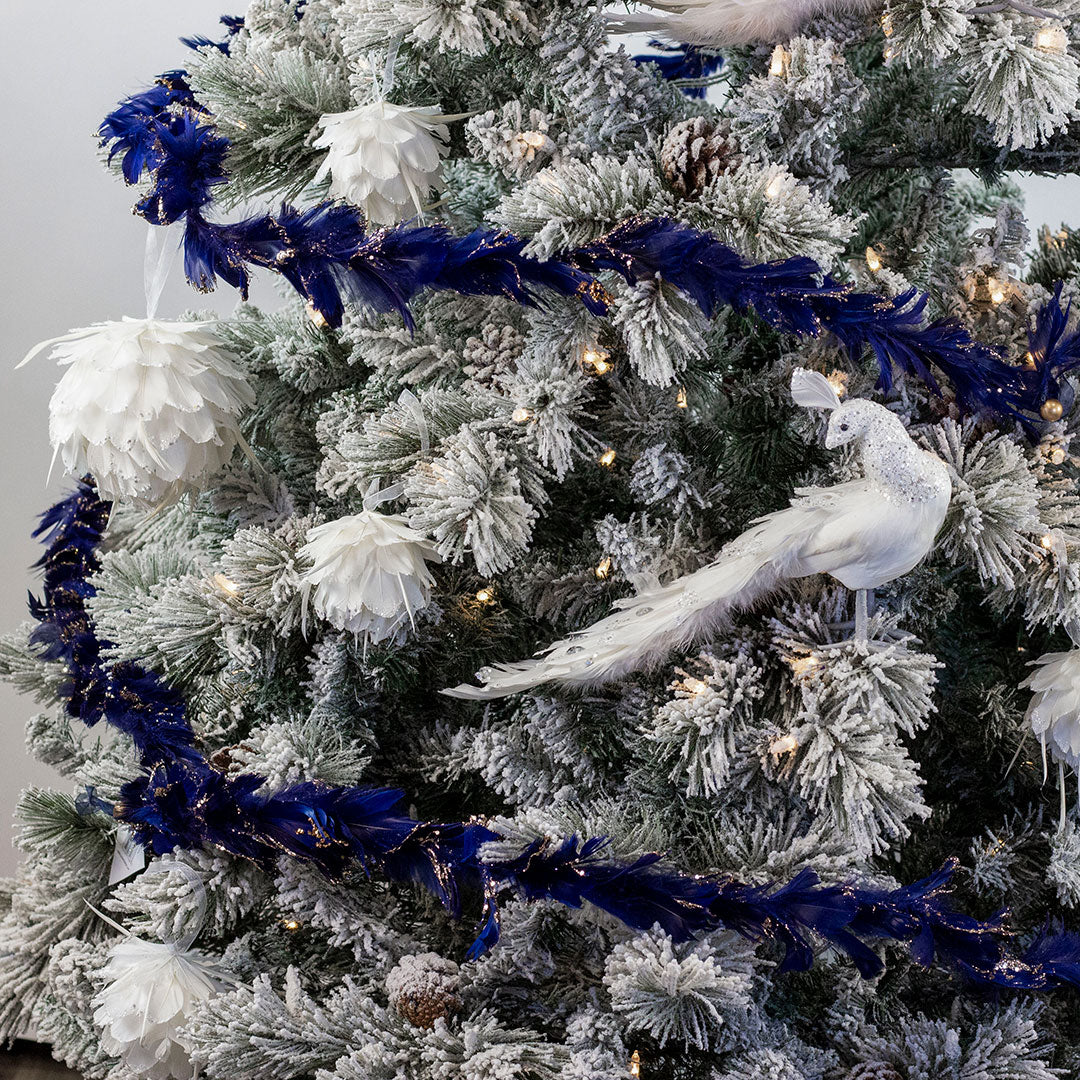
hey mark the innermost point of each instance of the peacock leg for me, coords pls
(863, 607)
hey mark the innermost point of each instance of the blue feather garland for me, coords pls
(328, 256)
(325, 252)
(794, 296)
(182, 801)
(688, 66)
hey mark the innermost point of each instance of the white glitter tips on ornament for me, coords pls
(369, 573)
(148, 407)
(150, 990)
(384, 158)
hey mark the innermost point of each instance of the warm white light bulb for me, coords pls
(778, 63)
(1052, 39)
(225, 585)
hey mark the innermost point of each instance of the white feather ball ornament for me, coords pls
(148, 407)
(384, 158)
(369, 573)
(1054, 712)
(149, 993)
(729, 22)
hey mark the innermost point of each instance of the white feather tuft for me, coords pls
(1054, 712)
(384, 158)
(728, 22)
(148, 995)
(812, 390)
(149, 408)
(368, 574)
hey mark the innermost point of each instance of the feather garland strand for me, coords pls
(183, 801)
(328, 254)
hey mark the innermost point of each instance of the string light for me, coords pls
(1047, 542)
(801, 666)
(603, 568)
(778, 63)
(290, 924)
(1057, 455)
(521, 415)
(1052, 39)
(838, 380)
(781, 745)
(316, 316)
(873, 260)
(888, 53)
(596, 360)
(534, 140)
(228, 587)
(776, 185)
(607, 458)
(887, 23)
(695, 686)
(635, 1064)
(680, 399)
(996, 290)
(486, 595)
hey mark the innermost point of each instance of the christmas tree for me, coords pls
(588, 630)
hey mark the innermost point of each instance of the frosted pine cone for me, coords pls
(695, 152)
(148, 407)
(873, 1070)
(368, 573)
(384, 158)
(423, 988)
(149, 993)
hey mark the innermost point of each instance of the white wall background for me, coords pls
(73, 254)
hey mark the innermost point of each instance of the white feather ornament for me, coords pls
(150, 989)
(729, 22)
(149, 993)
(369, 573)
(864, 533)
(1054, 711)
(148, 407)
(384, 158)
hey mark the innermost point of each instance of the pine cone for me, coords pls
(423, 988)
(873, 1070)
(695, 152)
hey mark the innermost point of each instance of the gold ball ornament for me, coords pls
(1051, 410)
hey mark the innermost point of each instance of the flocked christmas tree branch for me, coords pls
(328, 254)
(183, 801)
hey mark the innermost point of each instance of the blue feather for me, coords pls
(189, 162)
(683, 62)
(233, 25)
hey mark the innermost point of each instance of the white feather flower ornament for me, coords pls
(1054, 712)
(384, 158)
(369, 573)
(149, 992)
(149, 407)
